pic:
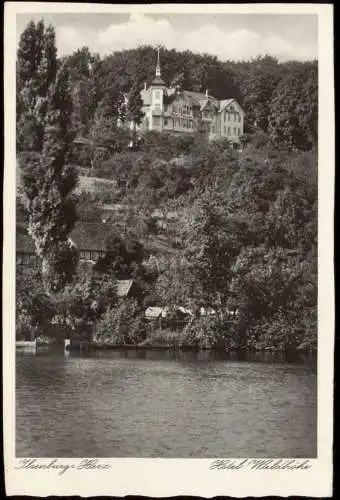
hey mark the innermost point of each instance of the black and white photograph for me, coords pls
(167, 239)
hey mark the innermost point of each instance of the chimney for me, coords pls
(206, 92)
(144, 85)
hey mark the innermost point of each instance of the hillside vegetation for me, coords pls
(241, 227)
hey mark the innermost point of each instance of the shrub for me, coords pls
(80, 305)
(207, 332)
(123, 324)
(34, 309)
(285, 331)
(165, 337)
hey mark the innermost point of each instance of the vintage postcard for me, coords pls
(168, 249)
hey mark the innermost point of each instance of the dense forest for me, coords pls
(238, 229)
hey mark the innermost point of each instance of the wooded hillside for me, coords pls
(242, 226)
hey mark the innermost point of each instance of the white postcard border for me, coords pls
(169, 477)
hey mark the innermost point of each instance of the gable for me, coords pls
(178, 102)
(234, 107)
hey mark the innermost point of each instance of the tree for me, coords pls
(105, 138)
(257, 87)
(124, 255)
(112, 105)
(80, 304)
(48, 183)
(36, 70)
(134, 109)
(212, 241)
(34, 310)
(266, 284)
(308, 108)
(83, 67)
(293, 111)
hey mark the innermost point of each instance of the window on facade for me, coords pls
(157, 94)
(239, 118)
(156, 120)
(234, 130)
(165, 121)
(228, 132)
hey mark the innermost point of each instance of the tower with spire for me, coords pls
(157, 89)
(158, 66)
(187, 111)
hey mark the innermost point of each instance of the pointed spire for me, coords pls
(158, 67)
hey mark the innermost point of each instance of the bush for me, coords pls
(69, 312)
(80, 305)
(165, 337)
(123, 324)
(284, 332)
(34, 309)
(206, 333)
(203, 333)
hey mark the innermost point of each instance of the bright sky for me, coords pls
(228, 36)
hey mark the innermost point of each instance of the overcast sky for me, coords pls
(228, 36)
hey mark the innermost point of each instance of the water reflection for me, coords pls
(185, 355)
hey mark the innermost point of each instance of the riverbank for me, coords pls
(95, 346)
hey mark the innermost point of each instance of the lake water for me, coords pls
(163, 404)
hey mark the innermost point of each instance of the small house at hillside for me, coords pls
(128, 289)
(166, 317)
(25, 248)
(88, 238)
(155, 313)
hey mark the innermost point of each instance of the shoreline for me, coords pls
(89, 346)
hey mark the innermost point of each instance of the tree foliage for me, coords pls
(36, 71)
(293, 111)
(49, 180)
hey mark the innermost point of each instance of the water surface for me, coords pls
(159, 404)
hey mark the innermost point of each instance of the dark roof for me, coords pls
(158, 81)
(86, 236)
(90, 235)
(200, 98)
